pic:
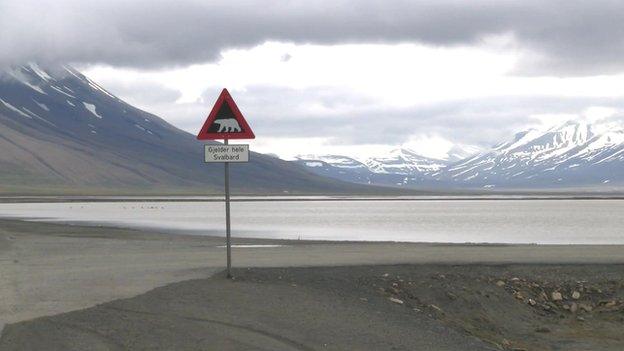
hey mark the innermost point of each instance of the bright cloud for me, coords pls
(360, 99)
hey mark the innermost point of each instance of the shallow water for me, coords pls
(457, 221)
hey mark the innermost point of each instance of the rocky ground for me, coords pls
(511, 307)
(397, 307)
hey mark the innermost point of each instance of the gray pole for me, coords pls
(227, 217)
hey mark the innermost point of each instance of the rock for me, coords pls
(552, 306)
(518, 295)
(573, 307)
(610, 304)
(542, 330)
(580, 319)
(385, 275)
(451, 295)
(532, 302)
(576, 295)
(395, 300)
(556, 296)
(543, 296)
(500, 283)
(436, 308)
(585, 307)
(515, 279)
(363, 299)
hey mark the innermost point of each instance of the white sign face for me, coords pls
(226, 153)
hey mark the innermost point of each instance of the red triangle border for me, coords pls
(226, 98)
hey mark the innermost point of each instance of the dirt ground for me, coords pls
(396, 307)
(515, 307)
(409, 296)
(48, 269)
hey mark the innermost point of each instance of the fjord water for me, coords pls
(453, 221)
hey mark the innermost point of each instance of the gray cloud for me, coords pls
(564, 37)
(483, 122)
(142, 93)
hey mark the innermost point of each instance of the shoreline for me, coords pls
(147, 230)
(296, 198)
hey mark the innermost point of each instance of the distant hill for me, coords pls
(400, 168)
(60, 132)
(573, 155)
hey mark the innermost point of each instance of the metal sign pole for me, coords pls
(225, 121)
(227, 217)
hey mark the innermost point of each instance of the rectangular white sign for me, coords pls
(226, 153)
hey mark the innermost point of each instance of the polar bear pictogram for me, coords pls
(227, 125)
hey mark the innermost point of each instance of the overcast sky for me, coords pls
(356, 77)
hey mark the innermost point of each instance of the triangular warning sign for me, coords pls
(225, 121)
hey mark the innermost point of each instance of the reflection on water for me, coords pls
(509, 221)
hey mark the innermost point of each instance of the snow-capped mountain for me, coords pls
(400, 167)
(404, 162)
(568, 155)
(339, 167)
(60, 132)
(573, 154)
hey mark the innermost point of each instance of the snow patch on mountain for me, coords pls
(314, 164)
(19, 75)
(62, 92)
(39, 72)
(14, 109)
(42, 106)
(91, 108)
(333, 160)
